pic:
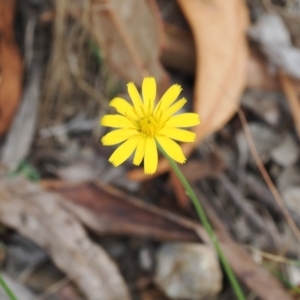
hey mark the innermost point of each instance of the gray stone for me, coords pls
(270, 30)
(188, 271)
(287, 153)
(291, 197)
(274, 38)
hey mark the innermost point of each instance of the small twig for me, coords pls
(260, 191)
(266, 176)
(273, 257)
(83, 84)
(54, 288)
(242, 203)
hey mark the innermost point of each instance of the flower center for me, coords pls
(148, 125)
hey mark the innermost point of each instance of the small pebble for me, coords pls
(188, 271)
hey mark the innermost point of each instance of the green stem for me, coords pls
(202, 216)
(7, 290)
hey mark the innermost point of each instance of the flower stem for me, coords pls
(202, 216)
(7, 290)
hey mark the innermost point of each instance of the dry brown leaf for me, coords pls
(11, 70)
(44, 218)
(108, 211)
(129, 34)
(222, 56)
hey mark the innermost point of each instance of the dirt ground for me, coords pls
(72, 226)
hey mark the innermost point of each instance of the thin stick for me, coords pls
(266, 176)
(54, 288)
(202, 216)
(273, 257)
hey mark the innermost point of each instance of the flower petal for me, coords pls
(135, 96)
(116, 121)
(151, 156)
(124, 151)
(183, 120)
(149, 93)
(123, 107)
(173, 109)
(178, 134)
(118, 136)
(140, 152)
(169, 97)
(171, 148)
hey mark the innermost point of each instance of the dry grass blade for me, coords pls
(266, 176)
(276, 258)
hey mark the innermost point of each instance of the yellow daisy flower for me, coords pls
(142, 125)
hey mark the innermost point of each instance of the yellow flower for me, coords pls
(142, 125)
